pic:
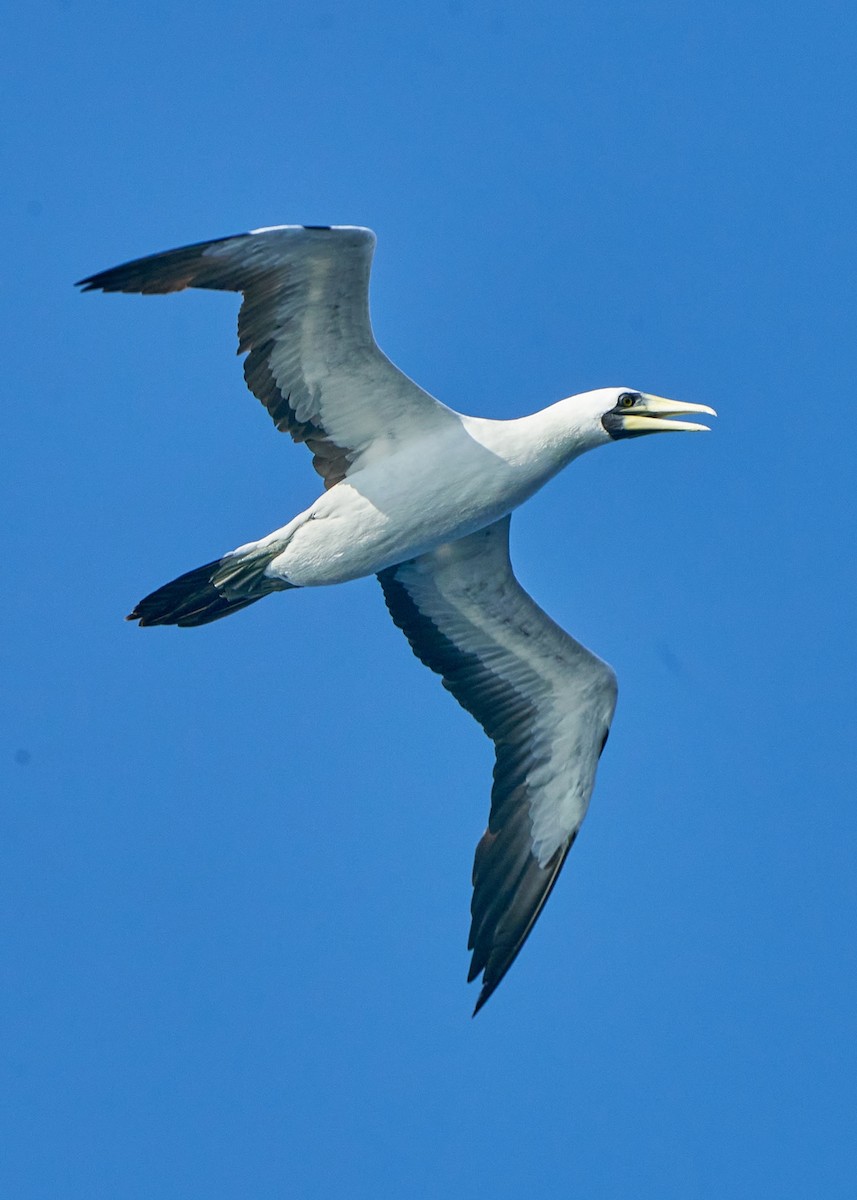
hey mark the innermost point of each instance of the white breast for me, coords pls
(431, 491)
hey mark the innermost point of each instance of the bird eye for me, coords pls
(628, 399)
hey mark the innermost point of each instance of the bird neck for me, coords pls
(562, 432)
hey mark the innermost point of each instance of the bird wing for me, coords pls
(544, 700)
(311, 356)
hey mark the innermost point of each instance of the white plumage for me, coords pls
(421, 496)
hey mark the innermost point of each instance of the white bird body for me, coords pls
(443, 485)
(420, 496)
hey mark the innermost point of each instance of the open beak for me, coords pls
(651, 416)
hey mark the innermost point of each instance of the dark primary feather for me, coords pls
(170, 271)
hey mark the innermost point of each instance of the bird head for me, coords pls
(630, 414)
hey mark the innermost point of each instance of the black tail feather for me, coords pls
(194, 599)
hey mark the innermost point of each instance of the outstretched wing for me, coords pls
(311, 357)
(544, 700)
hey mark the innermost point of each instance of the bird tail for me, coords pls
(212, 591)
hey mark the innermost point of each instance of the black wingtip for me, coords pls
(490, 983)
(484, 996)
(102, 281)
(163, 272)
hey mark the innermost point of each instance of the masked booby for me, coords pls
(421, 496)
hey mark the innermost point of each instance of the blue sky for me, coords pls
(236, 860)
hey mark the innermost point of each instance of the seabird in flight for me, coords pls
(421, 496)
